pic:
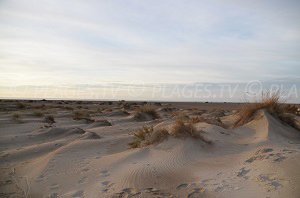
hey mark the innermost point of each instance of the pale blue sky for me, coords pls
(69, 42)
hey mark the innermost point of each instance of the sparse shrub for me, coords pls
(272, 104)
(21, 105)
(181, 116)
(83, 115)
(145, 111)
(210, 120)
(16, 117)
(78, 115)
(290, 109)
(147, 135)
(37, 113)
(126, 105)
(289, 119)
(168, 109)
(181, 129)
(105, 122)
(49, 119)
(69, 108)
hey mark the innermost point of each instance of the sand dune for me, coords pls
(258, 159)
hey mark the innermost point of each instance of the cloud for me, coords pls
(72, 42)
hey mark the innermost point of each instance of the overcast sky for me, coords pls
(69, 42)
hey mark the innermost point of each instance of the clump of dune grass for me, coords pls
(181, 116)
(146, 111)
(289, 108)
(209, 120)
(182, 129)
(20, 105)
(49, 119)
(147, 135)
(37, 113)
(68, 108)
(289, 119)
(272, 103)
(83, 115)
(16, 117)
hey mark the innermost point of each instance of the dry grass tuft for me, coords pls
(211, 120)
(145, 111)
(289, 119)
(291, 109)
(147, 135)
(272, 103)
(16, 117)
(20, 105)
(37, 113)
(181, 129)
(49, 119)
(83, 115)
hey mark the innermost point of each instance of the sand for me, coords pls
(76, 158)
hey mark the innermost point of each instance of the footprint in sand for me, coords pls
(104, 173)
(78, 194)
(262, 154)
(105, 183)
(53, 195)
(243, 172)
(85, 169)
(279, 157)
(82, 180)
(54, 187)
(197, 192)
(181, 186)
(40, 178)
(270, 182)
(151, 190)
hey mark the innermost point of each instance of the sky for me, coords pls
(67, 46)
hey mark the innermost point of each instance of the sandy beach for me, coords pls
(85, 152)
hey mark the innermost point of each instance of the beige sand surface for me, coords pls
(81, 158)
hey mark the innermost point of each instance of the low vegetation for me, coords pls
(145, 112)
(16, 117)
(272, 103)
(210, 120)
(147, 135)
(21, 105)
(37, 113)
(83, 115)
(49, 119)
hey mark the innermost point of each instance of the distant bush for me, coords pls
(16, 117)
(147, 135)
(209, 120)
(38, 113)
(68, 108)
(49, 119)
(78, 115)
(145, 111)
(272, 103)
(83, 115)
(21, 105)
